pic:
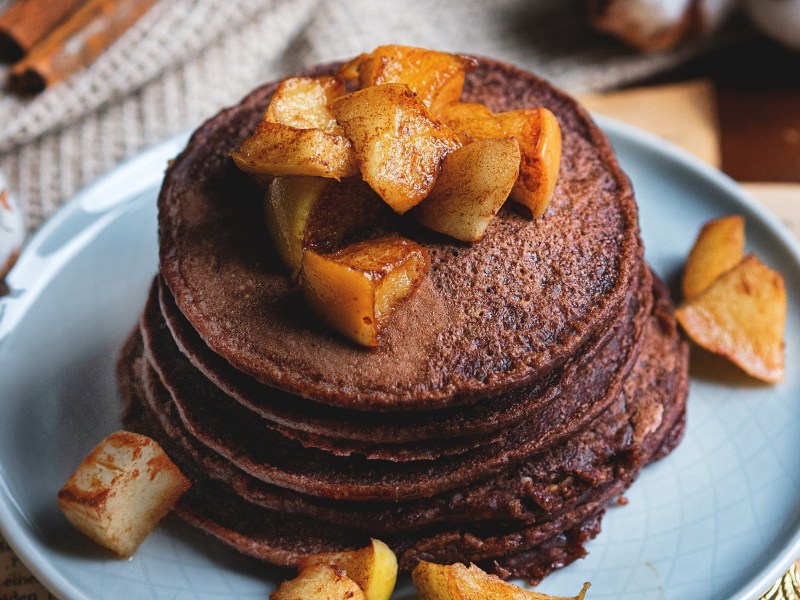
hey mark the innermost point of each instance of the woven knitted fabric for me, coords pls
(185, 59)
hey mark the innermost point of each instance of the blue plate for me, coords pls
(717, 519)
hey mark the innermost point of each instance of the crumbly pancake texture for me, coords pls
(515, 396)
(545, 285)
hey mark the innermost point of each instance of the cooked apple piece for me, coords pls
(742, 316)
(719, 247)
(349, 70)
(277, 149)
(373, 568)
(539, 137)
(399, 146)
(302, 102)
(320, 582)
(287, 209)
(475, 182)
(457, 582)
(470, 121)
(120, 492)
(436, 77)
(356, 289)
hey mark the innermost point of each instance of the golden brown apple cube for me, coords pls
(399, 146)
(474, 183)
(471, 121)
(436, 77)
(276, 149)
(356, 289)
(120, 492)
(742, 316)
(719, 247)
(539, 137)
(373, 568)
(320, 582)
(457, 582)
(302, 102)
(287, 209)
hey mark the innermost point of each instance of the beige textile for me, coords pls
(185, 59)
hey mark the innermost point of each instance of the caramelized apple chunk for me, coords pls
(373, 568)
(120, 492)
(436, 77)
(287, 209)
(356, 289)
(457, 582)
(277, 149)
(539, 137)
(320, 582)
(718, 248)
(742, 316)
(399, 146)
(475, 182)
(471, 121)
(302, 102)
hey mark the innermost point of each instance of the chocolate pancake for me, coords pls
(549, 483)
(546, 286)
(223, 425)
(312, 423)
(333, 429)
(648, 426)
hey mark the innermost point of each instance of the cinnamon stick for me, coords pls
(74, 44)
(26, 22)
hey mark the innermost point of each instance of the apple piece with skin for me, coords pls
(276, 149)
(398, 144)
(718, 248)
(539, 136)
(302, 102)
(373, 568)
(742, 316)
(288, 204)
(320, 582)
(475, 182)
(436, 77)
(356, 289)
(457, 582)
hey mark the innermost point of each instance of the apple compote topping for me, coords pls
(448, 165)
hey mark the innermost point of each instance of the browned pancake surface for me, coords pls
(392, 436)
(242, 438)
(490, 316)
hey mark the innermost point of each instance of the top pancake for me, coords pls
(489, 317)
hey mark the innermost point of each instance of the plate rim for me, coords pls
(30, 552)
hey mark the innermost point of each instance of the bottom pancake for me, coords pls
(650, 408)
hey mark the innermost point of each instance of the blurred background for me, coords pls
(85, 84)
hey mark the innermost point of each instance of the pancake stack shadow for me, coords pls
(514, 399)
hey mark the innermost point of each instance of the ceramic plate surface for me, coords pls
(719, 518)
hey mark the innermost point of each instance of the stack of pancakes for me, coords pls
(514, 397)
